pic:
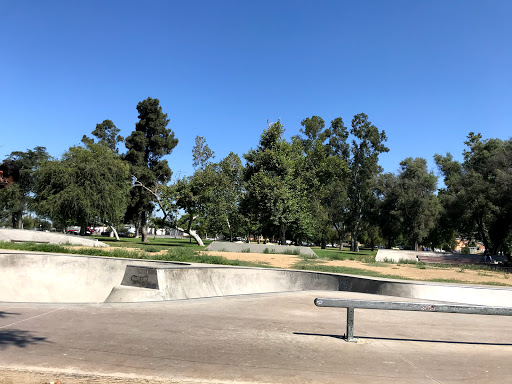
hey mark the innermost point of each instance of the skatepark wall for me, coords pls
(58, 278)
(25, 236)
(220, 246)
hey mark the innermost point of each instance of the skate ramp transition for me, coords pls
(56, 278)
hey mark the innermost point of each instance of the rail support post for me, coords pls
(350, 326)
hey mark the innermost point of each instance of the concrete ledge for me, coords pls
(220, 246)
(25, 236)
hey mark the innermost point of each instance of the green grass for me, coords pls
(180, 254)
(364, 255)
(456, 281)
(154, 243)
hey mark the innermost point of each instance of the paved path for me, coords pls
(267, 338)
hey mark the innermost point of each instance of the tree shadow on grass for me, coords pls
(19, 338)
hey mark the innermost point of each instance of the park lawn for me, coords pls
(154, 244)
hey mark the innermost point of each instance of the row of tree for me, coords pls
(322, 186)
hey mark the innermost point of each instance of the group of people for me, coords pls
(9, 173)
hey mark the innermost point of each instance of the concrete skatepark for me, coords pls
(93, 319)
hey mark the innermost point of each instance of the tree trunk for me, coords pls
(143, 229)
(340, 228)
(230, 229)
(323, 244)
(17, 220)
(354, 246)
(282, 232)
(116, 235)
(193, 235)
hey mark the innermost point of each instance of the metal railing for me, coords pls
(405, 306)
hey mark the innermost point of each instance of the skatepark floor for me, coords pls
(260, 338)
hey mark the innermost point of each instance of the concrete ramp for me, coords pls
(155, 283)
(55, 278)
(52, 278)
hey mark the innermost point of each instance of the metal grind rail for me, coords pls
(351, 305)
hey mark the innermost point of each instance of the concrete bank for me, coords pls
(40, 277)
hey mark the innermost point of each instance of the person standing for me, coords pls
(9, 173)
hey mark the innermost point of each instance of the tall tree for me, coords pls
(223, 206)
(19, 199)
(148, 143)
(367, 145)
(416, 201)
(107, 134)
(336, 197)
(389, 217)
(275, 196)
(88, 185)
(478, 190)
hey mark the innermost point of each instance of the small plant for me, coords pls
(409, 261)
(421, 265)
(308, 257)
(246, 250)
(295, 252)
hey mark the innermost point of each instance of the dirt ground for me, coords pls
(410, 271)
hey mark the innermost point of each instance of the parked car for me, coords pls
(75, 231)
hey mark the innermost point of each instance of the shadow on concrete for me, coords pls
(5, 314)
(342, 337)
(19, 338)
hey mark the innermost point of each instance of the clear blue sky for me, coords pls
(427, 72)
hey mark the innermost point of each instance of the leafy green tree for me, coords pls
(201, 153)
(18, 198)
(477, 193)
(390, 219)
(275, 195)
(223, 203)
(416, 200)
(315, 176)
(367, 145)
(148, 143)
(107, 134)
(336, 195)
(323, 171)
(88, 185)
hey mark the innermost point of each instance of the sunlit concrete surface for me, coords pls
(267, 338)
(279, 337)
